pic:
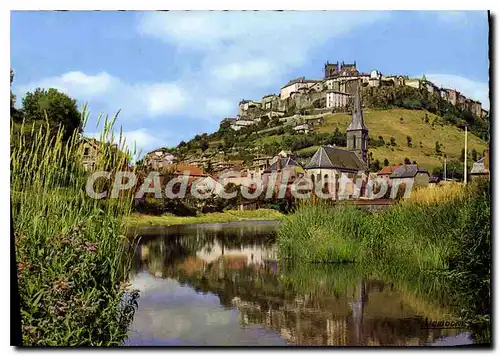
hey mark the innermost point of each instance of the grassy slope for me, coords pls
(233, 215)
(386, 123)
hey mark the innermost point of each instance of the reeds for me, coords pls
(424, 235)
(447, 236)
(433, 194)
(70, 252)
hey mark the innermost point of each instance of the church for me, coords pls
(330, 161)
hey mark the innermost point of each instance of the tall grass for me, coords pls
(424, 234)
(435, 193)
(448, 234)
(70, 252)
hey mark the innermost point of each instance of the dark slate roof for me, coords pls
(284, 162)
(336, 158)
(300, 80)
(407, 171)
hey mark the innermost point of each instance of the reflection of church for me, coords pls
(343, 321)
(306, 310)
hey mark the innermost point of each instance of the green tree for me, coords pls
(339, 138)
(375, 166)
(455, 170)
(58, 108)
(386, 162)
(438, 148)
(474, 154)
(393, 141)
(407, 160)
(15, 114)
(181, 144)
(203, 144)
(408, 141)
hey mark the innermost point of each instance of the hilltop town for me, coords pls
(333, 93)
(312, 117)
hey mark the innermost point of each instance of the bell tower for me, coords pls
(357, 132)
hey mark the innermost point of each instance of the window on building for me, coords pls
(354, 142)
(86, 151)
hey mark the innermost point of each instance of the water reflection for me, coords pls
(222, 285)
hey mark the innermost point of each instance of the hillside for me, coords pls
(423, 127)
(387, 123)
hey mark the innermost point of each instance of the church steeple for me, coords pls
(357, 132)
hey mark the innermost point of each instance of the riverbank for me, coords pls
(72, 257)
(136, 219)
(448, 234)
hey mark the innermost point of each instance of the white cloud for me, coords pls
(242, 52)
(139, 141)
(163, 98)
(76, 83)
(470, 88)
(248, 70)
(238, 55)
(137, 101)
(219, 106)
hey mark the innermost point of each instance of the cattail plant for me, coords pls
(71, 252)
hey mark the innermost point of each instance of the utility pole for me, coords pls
(465, 157)
(444, 167)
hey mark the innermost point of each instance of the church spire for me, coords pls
(357, 122)
(357, 132)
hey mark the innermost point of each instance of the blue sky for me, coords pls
(177, 74)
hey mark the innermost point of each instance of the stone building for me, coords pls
(295, 84)
(409, 175)
(302, 128)
(240, 123)
(305, 99)
(158, 159)
(282, 167)
(451, 96)
(337, 99)
(245, 107)
(344, 69)
(473, 106)
(90, 152)
(270, 102)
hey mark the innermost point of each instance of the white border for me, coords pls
(189, 4)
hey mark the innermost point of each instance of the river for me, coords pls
(222, 285)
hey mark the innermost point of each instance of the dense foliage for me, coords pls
(43, 107)
(70, 250)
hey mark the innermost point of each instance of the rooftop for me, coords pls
(336, 158)
(284, 162)
(387, 170)
(407, 171)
